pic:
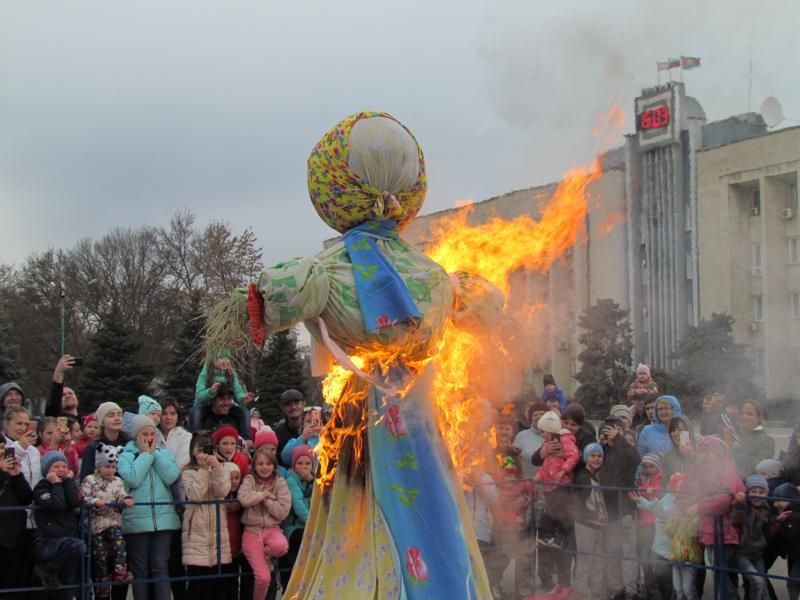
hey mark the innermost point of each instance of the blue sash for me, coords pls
(382, 294)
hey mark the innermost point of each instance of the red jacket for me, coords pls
(715, 489)
(644, 516)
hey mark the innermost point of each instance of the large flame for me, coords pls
(494, 250)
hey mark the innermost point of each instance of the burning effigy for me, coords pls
(409, 331)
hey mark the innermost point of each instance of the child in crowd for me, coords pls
(90, 431)
(552, 395)
(555, 469)
(204, 480)
(648, 481)
(771, 470)
(786, 528)
(100, 490)
(312, 425)
(15, 543)
(268, 440)
(57, 547)
(267, 502)
(682, 528)
(52, 438)
(215, 373)
(591, 519)
(300, 482)
(226, 445)
(233, 516)
(750, 515)
(110, 418)
(656, 565)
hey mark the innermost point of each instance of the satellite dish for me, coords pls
(772, 111)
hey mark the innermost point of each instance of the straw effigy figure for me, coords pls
(388, 518)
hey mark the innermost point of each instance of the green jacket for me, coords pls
(203, 394)
(753, 447)
(301, 502)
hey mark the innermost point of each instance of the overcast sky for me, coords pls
(119, 113)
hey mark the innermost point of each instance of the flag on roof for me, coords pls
(690, 62)
(670, 63)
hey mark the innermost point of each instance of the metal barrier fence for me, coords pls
(718, 564)
(86, 585)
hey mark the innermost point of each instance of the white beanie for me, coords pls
(104, 409)
(139, 422)
(550, 422)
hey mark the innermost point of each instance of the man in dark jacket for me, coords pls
(619, 470)
(220, 415)
(57, 547)
(291, 426)
(62, 402)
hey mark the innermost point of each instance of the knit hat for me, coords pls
(769, 468)
(265, 437)
(229, 467)
(785, 491)
(104, 409)
(106, 454)
(593, 448)
(642, 368)
(548, 380)
(300, 451)
(86, 419)
(49, 459)
(574, 412)
(756, 481)
(138, 423)
(712, 444)
(148, 405)
(223, 432)
(652, 458)
(550, 422)
(620, 410)
(291, 395)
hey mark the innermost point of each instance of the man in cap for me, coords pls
(291, 426)
(220, 414)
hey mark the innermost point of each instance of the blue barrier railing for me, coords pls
(718, 564)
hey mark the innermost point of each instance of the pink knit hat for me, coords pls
(265, 437)
(300, 451)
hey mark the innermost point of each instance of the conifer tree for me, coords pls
(184, 363)
(113, 369)
(282, 367)
(9, 352)
(606, 358)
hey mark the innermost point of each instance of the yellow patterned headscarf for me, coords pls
(342, 198)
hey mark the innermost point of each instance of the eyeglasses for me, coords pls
(310, 408)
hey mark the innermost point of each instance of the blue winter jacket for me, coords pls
(655, 437)
(556, 393)
(148, 476)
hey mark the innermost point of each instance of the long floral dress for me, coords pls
(393, 524)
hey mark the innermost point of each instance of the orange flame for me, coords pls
(499, 247)
(494, 250)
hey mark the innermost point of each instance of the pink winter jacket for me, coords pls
(553, 464)
(260, 512)
(716, 500)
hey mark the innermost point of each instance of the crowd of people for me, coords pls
(624, 510)
(637, 507)
(163, 497)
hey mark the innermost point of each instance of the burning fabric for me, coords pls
(413, 335)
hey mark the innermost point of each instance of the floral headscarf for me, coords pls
(342, 198)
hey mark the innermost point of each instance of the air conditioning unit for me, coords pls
(755, 326)
(755, 211)
(563, 346)
(755, 271)
(787, 213)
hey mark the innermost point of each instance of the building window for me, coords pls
(759, 359)
(791, 196)
(755, 202)
(756, 257)
(794, 304)
(758, 308)
(793, 247)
